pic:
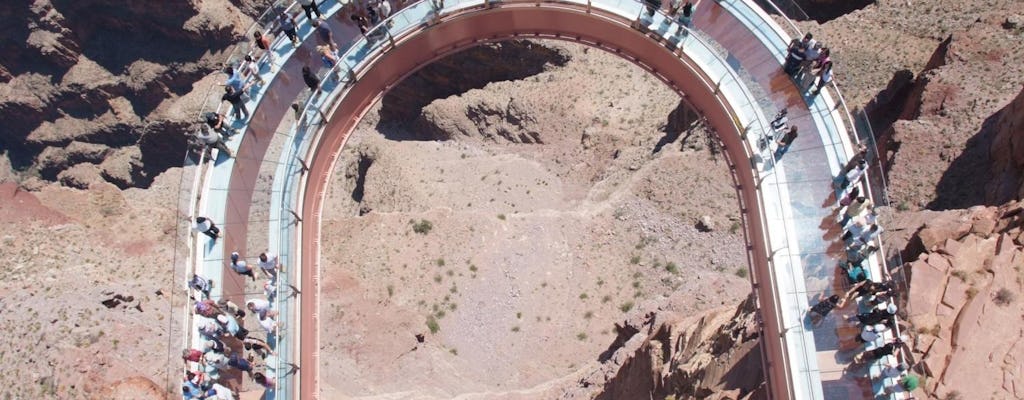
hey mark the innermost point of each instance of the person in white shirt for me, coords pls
(268, 264)
(260, 307)
(213, 140)
(207, 227)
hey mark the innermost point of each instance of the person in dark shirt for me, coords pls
(237, 100)
(310, 78)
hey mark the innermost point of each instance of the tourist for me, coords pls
(325, 35)
(220, 392)
(288, 24)
(811, 54)
(310, 7)
(327, 57)
(237, 100)
(231, 307)
(268, 264)
(252, 69)
(207, 227)
(819, 311)
(861, 154)
(870, 234)
(235, 79)
(213, 140)
(201, 284)
(650, 6)
(362, 24)
(263, 42)
(241, 267)
(192, 355)
(207, 308)
(265, 381)
(794, 56)
(240, 363)
(786, 141)
(260, 308)
(870, 333)
(214, 345)
(385, 10)
(258, 346)
(230, 326)
(906, 384)
(215, 360)
(824, 57)
(892, 370)
(269, 324)
(853, 176)
(884, 313)
(217, 122)
(855, 209)
(684, 16)
(209, 328)
(824, 77)
(891, 348)
(310, 78)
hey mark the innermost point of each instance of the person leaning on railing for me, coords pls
(213, 140)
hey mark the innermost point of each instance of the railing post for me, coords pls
(305, 168)
(296, 215)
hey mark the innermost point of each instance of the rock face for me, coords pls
(709, 356)
(106, 75)
(965, 280)
(1007, 153)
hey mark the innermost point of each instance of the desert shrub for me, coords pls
(432, 324)
(422, 227)
(1004, 297)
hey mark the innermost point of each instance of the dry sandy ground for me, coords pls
(535, 250)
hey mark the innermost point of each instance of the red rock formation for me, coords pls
(104, 73)
(965, 279)
(1007, 153)
(709, 356)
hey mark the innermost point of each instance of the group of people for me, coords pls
(225, 343)
(678, 10)
(808, 61)
(875, 299)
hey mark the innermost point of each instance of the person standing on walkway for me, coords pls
(861, 155)
(385, 10)
(684, 16)
(794, 57)
(325, 35)
(241, 267)
(261, 308)
(855, 209)
(213, 140)
(786, 141)
(310, 78)
(288, 24)
(824, 77)
(201, 284)
(235, 79)
(237, 100)
(252, 68)
(263, 43)
(207, 227)
(268, 264)
(310, 7)
(852, 177)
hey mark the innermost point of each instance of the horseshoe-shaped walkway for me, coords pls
(728, 67)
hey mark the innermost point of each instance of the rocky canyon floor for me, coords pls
(515, 243)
